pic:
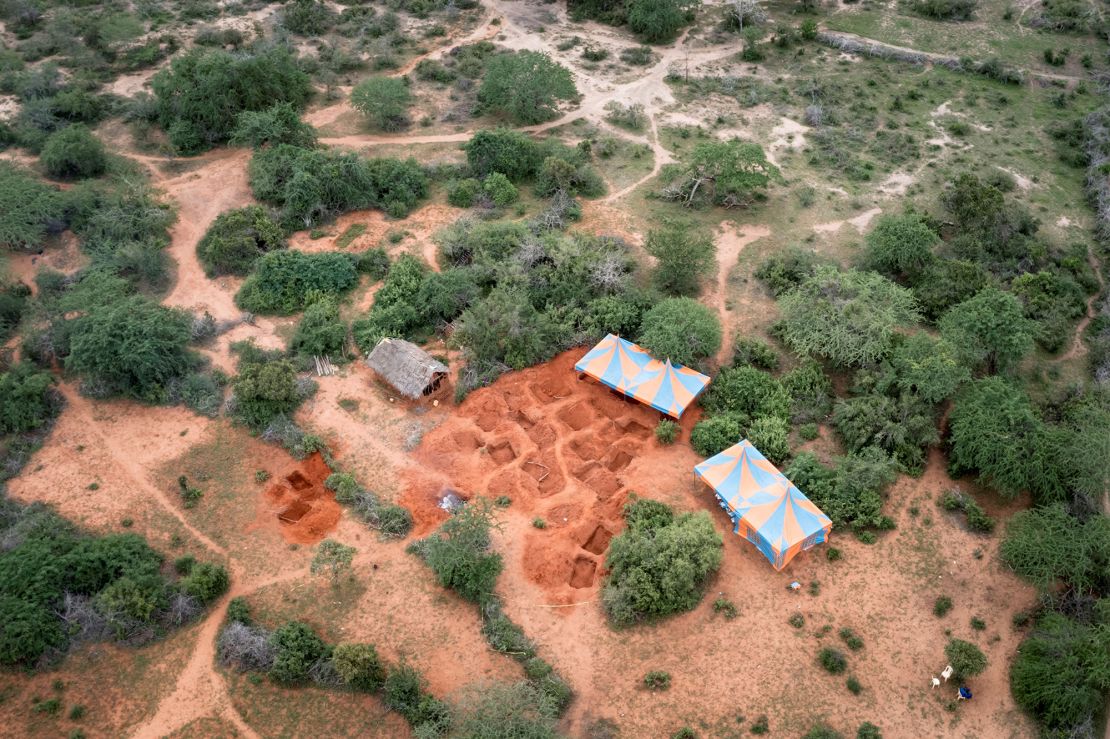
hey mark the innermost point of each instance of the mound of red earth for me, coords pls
(305, 509)
(565, 450)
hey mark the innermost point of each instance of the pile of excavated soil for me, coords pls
(564, 450)
(305, 509)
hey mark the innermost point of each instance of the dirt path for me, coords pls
(731, 240)
(1078, 348)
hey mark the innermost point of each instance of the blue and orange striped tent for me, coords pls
(765, 507)
(629, 369)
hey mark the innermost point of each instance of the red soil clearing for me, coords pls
(306, 510)
(564, 450)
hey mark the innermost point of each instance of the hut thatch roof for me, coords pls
(405, 366)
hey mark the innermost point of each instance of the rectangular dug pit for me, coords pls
(523, 420)
(598, 541)
(619, 461)
(583, 574)
(295, 512)
(298, 481)
(501, 452)
(603, 482)
(578, 416)
(633, 427)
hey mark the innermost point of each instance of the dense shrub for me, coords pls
(903, 426)
(848, 317)
(499, 189)
(296, 649)
(811, 390)
(851, 493)
(784, 270)
(770, 434)
(463, 193)
(1047, 546)
(131, 347)
(928, 368)
(659, 564)
(29, 209)
(948, 282)
(512, 153)
(683, 256)
(718, 432)
(749, 352)
(507, 711)
(570, 175)
(307, 17)
(747, 391)
(74, 153)
(832, 660)
(682, 330)
(726, 173)
(282, 281)
(205, 582)
(203, 91)
(27, 398)
(525, 86)
(321, 330)
(945, 10)
(311, 186)
(264, 391)
(384, 101)
(236, 239)
(1061, 673)
(459, 552)
(966, 659)
(359, 666)
(659, 21)
(279, 124)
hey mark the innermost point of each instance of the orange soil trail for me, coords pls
(731, 240)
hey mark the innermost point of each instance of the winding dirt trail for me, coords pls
(1078, 348)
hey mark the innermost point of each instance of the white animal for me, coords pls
(946, 673)
(936, 682)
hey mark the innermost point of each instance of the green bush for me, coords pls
(283, 280)
(205, 582)
(659, 564)
(832, 660)
(311, 186)
(499, 189)
(900, 246)
(236, 239)
(659, 21)
(202, 92)
(525, 86)
(811, 390)
(726, 173)
(384, 101)
(279, 124)
(989, 330)
(1047, 545)
(373, 262)
(27, 399)
(683, 255)
(296, 649)
(848, 317)
(30, 629)
(851, 492)
(904, 426)
(132, 347)
(715, 434)
(748, 352)
(666, 431)
(321, 330)
(682, 330)
(463, 193)
(927, 367)
(747, 391)
(74, 153)
(820, 731)
(263, 391)
(307, 17)
(868, 730)
(966, 659)
(942, 606)
(30, 210)
(1061, 673)
(507, 711)
(948, 282)
(657, 680)
(459, 552)
(770, 434)
(945, 10)
(359, 665)
(512, 153)
(787, 269)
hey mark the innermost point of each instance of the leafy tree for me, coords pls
(900, 246)
(237, 238)
(849, 493)
(770, 435)
(132, 347)
(29, 209)
(1061, 673)
(30, 629)
(279, 124)
(282, 281)
(659, 21)
(74, 153)
(359, 665)
(927, 367)
(321, 331)
(263, 391)
(27, 399)
(506, 328)
(811, 390)
(1053, 300)
(205, 582)
(748, 391)
(459, 552)
(683, 256)
(202, 92)
(659, 564)
(966, 659)
(307, 17)
(525, 86)
(989, 330)
(383, 100)
(1047, 545)
(332, 557)
(903, 426)
(849, 317)
(296, 649)
(512, 153)
(569, 174)
(995, 432)
(499, 189)
(727, 173)
(682, 330)
(463, 193)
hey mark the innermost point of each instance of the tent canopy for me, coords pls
(765, 507)
(629, 369)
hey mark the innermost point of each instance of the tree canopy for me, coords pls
(683, 256)
(525, 86)
(681, 330)
(727, 173)
(989, 330)
(237, 238)
(384, 101)
(900, 246)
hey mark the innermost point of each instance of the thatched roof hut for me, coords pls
(408, 368)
